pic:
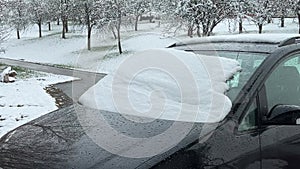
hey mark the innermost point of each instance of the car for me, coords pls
(261, 131)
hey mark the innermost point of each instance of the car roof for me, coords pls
(257, 43)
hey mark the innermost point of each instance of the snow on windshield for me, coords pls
(166, 84)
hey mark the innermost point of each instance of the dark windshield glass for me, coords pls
(249, 63)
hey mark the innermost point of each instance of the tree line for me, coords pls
(90, 14)
(202, 16)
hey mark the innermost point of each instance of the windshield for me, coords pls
(249, 63)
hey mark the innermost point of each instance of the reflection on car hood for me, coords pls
(59, 140)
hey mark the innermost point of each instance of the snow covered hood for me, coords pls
(166, 84)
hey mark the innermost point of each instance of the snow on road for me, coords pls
(26, 100)
(166, 84)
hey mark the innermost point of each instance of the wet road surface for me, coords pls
(72, 89)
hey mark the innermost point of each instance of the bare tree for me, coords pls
(53, 11)
(38, 13)
(205, 15)
(137, 8)
(283, 8)
(240, 9)
(16, 15)
(263, 13)
(90, 14)
(116, 10)
(65, 11)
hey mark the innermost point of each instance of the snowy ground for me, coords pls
(26, 99)
(72, 52)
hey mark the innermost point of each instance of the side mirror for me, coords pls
(284, 115)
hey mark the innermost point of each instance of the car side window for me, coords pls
(283, 85)
(249, 120)
(281, 105)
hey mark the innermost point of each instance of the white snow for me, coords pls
(134, 44)
(26, 100)
(265, 38)
(4, 72)
(166, 84)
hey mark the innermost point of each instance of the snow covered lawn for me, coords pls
(166, 84)
(26, 100)
(134, 44)
(72, 52)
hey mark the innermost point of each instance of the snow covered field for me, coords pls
(72, 52)
(26, 99)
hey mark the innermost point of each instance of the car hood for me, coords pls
(64, 139)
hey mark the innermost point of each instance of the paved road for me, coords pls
(73, 89)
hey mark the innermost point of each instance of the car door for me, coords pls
(279, 98)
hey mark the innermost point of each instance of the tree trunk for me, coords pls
(119, 22)
(198, 31)
(119, 45)
(49, 26)
(113, 32)
(269, 20)
(119, 36)
(210, 30)
(67, 26)
(299, 21)
(136, 23)
(190, 31)
(40, 29)
(282, 21)
(18, 34)
(151, 18)
(89, 37)
(260, 26)
(240, 26)
(63, 30)
(58, 22)
(205, 31)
